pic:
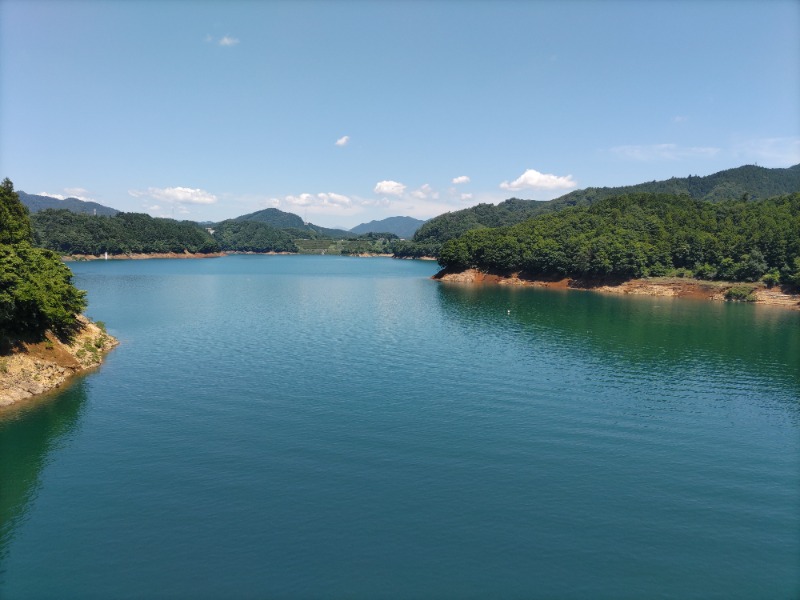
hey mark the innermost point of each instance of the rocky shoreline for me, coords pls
(33, 369)
(655, 286)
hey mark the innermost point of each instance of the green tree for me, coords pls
(36, 291)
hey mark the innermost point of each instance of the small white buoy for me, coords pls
(509, 311)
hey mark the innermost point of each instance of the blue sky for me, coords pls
(345, 112)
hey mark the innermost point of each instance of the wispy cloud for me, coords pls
(461, 179)
(225, 40)
(305, 200)
(424, 192)
(770, 152)
(342, 141)
(533, 179)
(664, 152)
(176, 195)
(390, 188)
(72, 192)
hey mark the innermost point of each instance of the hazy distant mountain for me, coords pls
(284, 220)
(403, 227)
(35, 203)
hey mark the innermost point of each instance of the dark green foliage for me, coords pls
(284, 220)
(746, 183)
(15, 226)
(409, 249)
(125, 233)
(252, 236)
(276, 218)
(741, 293)
(36, 291)
(641, 235)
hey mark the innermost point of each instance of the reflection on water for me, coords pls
(28, 433)
(641, 331)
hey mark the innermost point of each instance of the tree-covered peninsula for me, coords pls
(36, 291)
(640, 235)
(43, 337)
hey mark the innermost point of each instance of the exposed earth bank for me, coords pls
(655, 286)
(31, 369)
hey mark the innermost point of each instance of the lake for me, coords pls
(332, 427)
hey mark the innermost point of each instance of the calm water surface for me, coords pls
(318, 427)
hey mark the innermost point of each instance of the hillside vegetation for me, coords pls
(36, 291)
(638, 235)
(284, 220)
(70, 233)
(748, 182)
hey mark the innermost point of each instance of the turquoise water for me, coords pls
(324, 427)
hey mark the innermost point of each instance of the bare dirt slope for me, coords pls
(31, 369)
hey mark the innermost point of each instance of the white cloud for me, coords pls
(177, 195)
(664, 152)
(228, 41)
(772, 152)
(342, 141)
(424, 192)
(391, 188)
(466, 197)
(322, 202)
(679, 119)
(56, 196)
(77, 192)
(299, 200)
(539, 181)
(461, 179)
(331, 199)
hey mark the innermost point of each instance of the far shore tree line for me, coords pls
(644, 235)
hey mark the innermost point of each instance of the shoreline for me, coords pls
(673, 287)
(157, 255)
(138, 256)
(33, 369)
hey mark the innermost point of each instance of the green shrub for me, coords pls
(741, 293)
(705, 271)
(772, 278)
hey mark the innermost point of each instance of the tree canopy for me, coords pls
(747, 182)
(70, 233)
(640, 235)
(36, 291)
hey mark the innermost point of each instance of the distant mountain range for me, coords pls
(402, 227)
(35, 203)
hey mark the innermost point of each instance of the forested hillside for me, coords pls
(36, 291)
(639, 235)
(36, 203)
(750, 182)
(284, 220)
(253, 236)
(70, 233)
